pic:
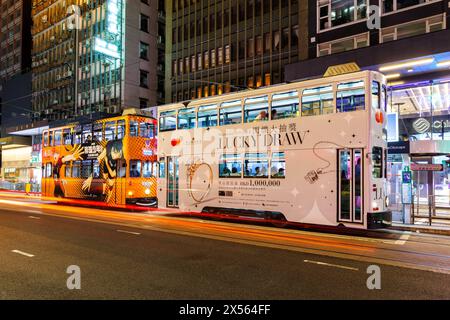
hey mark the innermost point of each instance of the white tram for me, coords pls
(312, 152)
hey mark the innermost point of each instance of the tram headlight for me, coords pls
(147, 191)
(130, 193)
(386, 201)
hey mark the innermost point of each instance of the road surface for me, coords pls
(159, 256)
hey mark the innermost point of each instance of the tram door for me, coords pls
(350, 185)
(120, 183)
(173, 173)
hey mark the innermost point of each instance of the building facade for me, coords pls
(214, 47)
(15, 38)
(92, 58)
(16, 167)
(409, 41)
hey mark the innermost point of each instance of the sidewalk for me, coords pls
(440, 230)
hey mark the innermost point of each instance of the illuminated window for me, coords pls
(230, 166)
(207, 116)
(350, 96)
(256, 165)
(186, 118)
(256, 109)
(316, 101)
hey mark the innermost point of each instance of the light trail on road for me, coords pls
(401, 249)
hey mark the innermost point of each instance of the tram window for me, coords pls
(134, 128)
(357, 173)
(230, 113)
(284, 105)
(345, 184)
(87, 134)
(350, 96)
(67, 137)
(162, 168)
(167, 120)
(86, 169)
(46, 139)
(278, 165)
(207, 116)
(317, 101)
(98, 132)
(146, 130)
(48, 170)
(77, 135)
(375, 94)
(58, 138)
(230, 166)
(256, 109)
(76, 169)
(384, 98)
(256, 165)
(110, 131)
(68, 170)
(121, 168)
(147, 169)
(186, 118)
(50, 138)
(135, 168)
(96, 169)
(120, 129)
(377, 162)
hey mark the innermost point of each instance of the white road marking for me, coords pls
(29, 255)
(403, 239)
(33, 217)
(331, 265)
(129, 232)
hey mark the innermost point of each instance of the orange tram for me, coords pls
(111, 161)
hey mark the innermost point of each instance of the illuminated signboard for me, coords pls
(113, 27)
(113, 14)
(109, 49)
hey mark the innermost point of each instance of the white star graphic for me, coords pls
(295, 192)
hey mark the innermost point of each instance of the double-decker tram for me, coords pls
(111, 161)
(310, 152)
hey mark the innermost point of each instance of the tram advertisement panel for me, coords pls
(287, 166)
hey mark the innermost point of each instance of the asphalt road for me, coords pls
(174, 258)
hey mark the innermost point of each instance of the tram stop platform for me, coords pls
(440, 223)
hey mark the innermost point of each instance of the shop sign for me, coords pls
(398, 147)
(426, 167)
(35, 159)
(37, 147)
(422, 125)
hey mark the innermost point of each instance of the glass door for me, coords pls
(172, 182)
(350, 185)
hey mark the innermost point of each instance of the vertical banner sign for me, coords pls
(111, 42)
(406, 186)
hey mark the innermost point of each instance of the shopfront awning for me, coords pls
(12, 142)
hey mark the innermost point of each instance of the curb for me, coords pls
(442, 232)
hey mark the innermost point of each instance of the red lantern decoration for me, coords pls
(379, 117)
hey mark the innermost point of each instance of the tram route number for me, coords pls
(225, 310)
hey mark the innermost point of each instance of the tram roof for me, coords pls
(266, 90)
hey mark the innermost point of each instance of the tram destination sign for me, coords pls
(426, 167)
